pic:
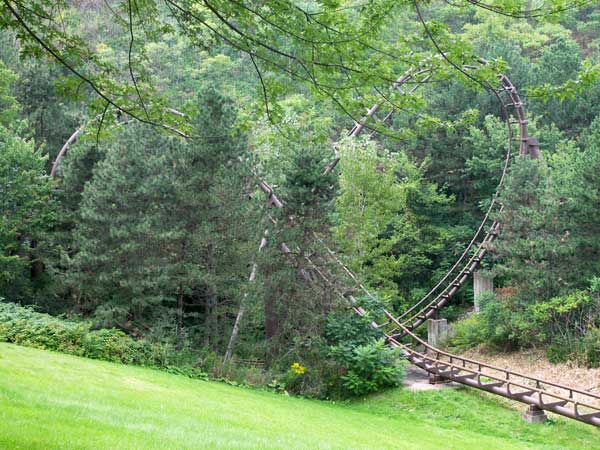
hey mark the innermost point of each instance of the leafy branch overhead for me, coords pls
(349, 53)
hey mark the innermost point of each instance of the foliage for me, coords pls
(46, 110)
(567, 325)
(153, 221)
(390, 219)
(571, 324)
(294, 300)
(23, 326)
(372, 367)
(112, 228)
(158, 214)
(335, 50)
(9, 108)
(496, 326)
(27, 211)
(368, 363)
(527, 252)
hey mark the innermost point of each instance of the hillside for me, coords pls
(51, 401)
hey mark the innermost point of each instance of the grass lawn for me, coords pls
(51, 401)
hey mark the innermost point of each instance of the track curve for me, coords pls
(560, 399)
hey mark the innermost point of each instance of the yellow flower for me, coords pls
(297, 368)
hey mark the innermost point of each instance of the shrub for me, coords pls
(368, 364)
(584, 351)
(24, 326)
(569, 326)
(569, 323)
(372, 367)
(496, 325)
(468, 333)
(590, 348)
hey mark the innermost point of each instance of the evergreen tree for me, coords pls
(296, 299)
(578, 191)
(123, 236)
(548, 244)
(217, 225)
(165, 224)
(26, 206)
(26, 214)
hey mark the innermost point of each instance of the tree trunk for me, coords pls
(271, 316)
(236, 329)
(207, 320)
(180, 320)
(211, 299)
(242, 310)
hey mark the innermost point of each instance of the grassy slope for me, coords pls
(49, 401)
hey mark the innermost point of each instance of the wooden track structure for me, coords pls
(546, 395)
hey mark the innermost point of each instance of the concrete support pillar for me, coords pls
(437, 331)
(481, 283)
(534, 414)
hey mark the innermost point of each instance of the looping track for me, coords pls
(459, 273)
(563, 400)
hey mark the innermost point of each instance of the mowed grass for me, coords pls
(54, 401)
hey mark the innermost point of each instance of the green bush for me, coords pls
(468, 333)
(24, 326)
(590, 348)
(496, 325)
(372, 367)
(569, 326)
(368, 364)
(584, 351)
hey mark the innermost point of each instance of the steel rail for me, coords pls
(574, 403)
(570, 402)
(435, 299)
(430, 309)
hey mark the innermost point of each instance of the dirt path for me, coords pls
(417, 379)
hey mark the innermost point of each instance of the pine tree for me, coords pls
(295, 299)
(532, 250)
(165, 226)
(26, 207)
(123, 244)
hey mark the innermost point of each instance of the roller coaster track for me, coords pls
(563, 400)
(546, 395)
(472, 256)
(560, 399)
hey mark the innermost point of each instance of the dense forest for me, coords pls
(176, 179)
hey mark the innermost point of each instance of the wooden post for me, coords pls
(533, 148)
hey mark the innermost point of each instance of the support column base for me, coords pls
(533, 414)
(437, 379)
